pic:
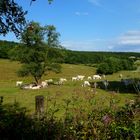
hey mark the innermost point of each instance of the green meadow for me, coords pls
(57, 96)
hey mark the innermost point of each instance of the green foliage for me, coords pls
(80, 57)
(34, 53)
(52, 36)
(5, 47)
(54, 67)
(12, 17)
(56, 54)
(112, 65)
(97, 123)
(104, 69)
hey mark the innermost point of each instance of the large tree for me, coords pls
(33, 51)
(12, 17)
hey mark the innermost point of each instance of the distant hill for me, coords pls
(74, 57)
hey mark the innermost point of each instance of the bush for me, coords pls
(113, 65)
(108, 123)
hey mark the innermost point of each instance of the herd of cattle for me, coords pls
(86, 81)
(61, 81)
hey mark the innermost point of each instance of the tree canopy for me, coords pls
(12, 17)
(33, 51)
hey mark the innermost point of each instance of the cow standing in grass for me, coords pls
(96, 77)
(86, 83)
(19, 83)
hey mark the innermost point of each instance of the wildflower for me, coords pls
(106, 119)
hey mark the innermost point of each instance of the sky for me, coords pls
(89, 25)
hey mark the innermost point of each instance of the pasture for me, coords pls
(57, 96)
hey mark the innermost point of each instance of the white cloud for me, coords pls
(130, 38)
(127, 42)
(81, 13)
(84, 45)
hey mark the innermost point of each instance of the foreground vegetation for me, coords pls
(107, 123)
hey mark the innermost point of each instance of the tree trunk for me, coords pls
(36, 80)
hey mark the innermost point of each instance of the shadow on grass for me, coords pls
(116, 86)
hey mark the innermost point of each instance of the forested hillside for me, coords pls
(74, 57)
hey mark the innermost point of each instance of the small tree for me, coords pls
(32, 52)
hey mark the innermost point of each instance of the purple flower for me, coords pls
(106, 119)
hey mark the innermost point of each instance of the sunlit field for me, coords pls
(56, 96)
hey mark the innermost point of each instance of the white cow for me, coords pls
(96, 77)
(49, 80)
(27, 86)
(19, 83)
(74, 78)
(61, 81)
(36, 87)
(86, 83)
(80, 77)
(89, 78)
(44, 84)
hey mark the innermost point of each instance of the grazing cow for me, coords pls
(61, 81)
(86, 83)
(19, 83)
(44, 84)
(96, 77)
(27, 86)
(89, 78)
(74, 79)
(36, 87)
(49, 81)
(80, 77)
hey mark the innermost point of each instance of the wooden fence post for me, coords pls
(39, 104)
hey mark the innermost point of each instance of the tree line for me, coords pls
(105, 62)
(72, 57)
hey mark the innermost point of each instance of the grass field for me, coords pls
(59, 94)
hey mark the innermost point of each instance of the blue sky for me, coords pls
(89, 25)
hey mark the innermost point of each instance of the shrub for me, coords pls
(98, 123)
